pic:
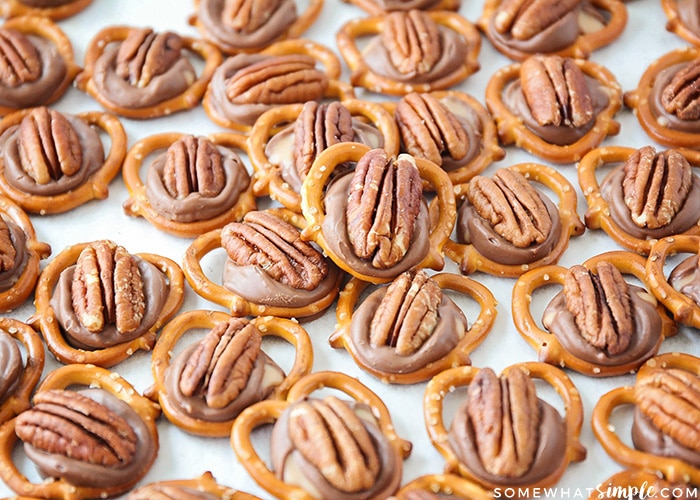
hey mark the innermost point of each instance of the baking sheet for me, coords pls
(183, 456)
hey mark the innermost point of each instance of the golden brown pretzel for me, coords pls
(446, 484)
(675, 23)
(187, 100)
(312, 206)
(206, 483)
(480, 327)
(374, 8)
(138, 204)
(364, 76)
(512, 130)
(18, 400)
(45, 317)
(95, 187)
(62, 378)
(14, 8)
(598, 214)
(637, 483)
(548, 347)
(444, 383)
(585, 44)
(673, 469)
(267, 177)
(172, 332)
(470, 260)
(267, 412)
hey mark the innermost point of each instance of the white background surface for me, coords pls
(183, 456)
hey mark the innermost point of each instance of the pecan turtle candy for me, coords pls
(409, 51)
(379, 7)
(556, 108)
(640, 484)
(251, 25)
(442, 487)
(193, 183)
(50, 9)
(520, 28)
(683, 19)
(666, 420)
(204, 487)
(98, 303)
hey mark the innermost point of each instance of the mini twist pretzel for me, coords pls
(598, 215)
(46, 320)
(62, 10)
(139, 205)
(638, 484)
(676, 24)
(95, 186)
(267, 412)
(216, 102)
(445, 484)
(471, 260)
(639, 100)
(548, 346)
(206, 483)
(587, 41)
(59, 488)
(365, 75)
(445, 382)
(285, 329)
(313, 209)
(268, 179)
(18, 400)
(44, 28)
(235, 303)
(188, 99)
(512, 130)
(458, 356)
(673, 469)
(379, 7)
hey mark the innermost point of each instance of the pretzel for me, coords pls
(268, 179)
(18, 400)
(373, 77)
(215, 100)
(15, 8)
(512, 130)
(45, 29)
(211, 23)
(445, 382)
(458, 356)
(598, 215)
(586, 42)
(188, 99)
(60, 488)
(546, 343)
(267, 412)
(638, 484)
(139, 205)
(461, 105)
(444, 484)
(639, 100)
(285, 329)
(470, 260)
(206, 483)
(677, 24)
(46, 320)
(238, 305)
(673, 469)
(94, 187)
(314, 211)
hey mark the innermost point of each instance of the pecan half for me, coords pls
(512, 206)
(331, 436)
(429, 129)
(317, 127)
(281, 79)
(383, 204)
(655, 186)
(49, 146)
(524, 19)
(19, 59)
(670, 398)
(680, 96)
(8, 252)
(267, 241)
(221, 364)
(71, 424)
(600, 302)
(556, 91)
(412, 40)
(247, 16)
(505, 417)
(407, 314)
(145, 54)
(193, 165)
(107, 288)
